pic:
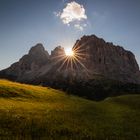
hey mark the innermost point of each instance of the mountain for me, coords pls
(27, 66)
(94, 64)
(106, 59)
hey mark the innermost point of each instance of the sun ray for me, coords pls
(61, 66)
(72, 60)
(59, 60)
(68, 62)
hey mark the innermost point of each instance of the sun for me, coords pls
(69, 52)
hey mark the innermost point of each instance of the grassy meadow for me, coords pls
(40, 113)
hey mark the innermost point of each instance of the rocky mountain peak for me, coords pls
(38, 49)
(58, 51)
(90, 39)
(106, 59)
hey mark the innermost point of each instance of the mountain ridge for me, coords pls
(96, 55)
(94, 60)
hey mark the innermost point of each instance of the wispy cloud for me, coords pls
(73, 13)
(80, 26)
(57, 14)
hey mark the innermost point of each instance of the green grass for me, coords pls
(32, 112)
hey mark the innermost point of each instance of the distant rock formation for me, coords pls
(94, 58)
(28, 65)
(106, 59)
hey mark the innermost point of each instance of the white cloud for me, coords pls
(73, 12)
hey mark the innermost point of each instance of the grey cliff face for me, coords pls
(104, 58)
(28, 64)
(96, 56)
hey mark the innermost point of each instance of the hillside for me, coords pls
(33, 112)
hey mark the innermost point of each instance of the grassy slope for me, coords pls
(32, 112)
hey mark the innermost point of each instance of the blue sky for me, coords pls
(24, 23)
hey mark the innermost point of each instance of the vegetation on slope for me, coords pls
(33, 112)
(96, 89)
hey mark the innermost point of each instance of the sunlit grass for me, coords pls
(34, 112)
